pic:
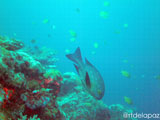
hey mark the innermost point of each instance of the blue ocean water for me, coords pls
(128, 39)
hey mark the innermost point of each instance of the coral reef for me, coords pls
(44, 55)
(75, 103)
(10, 44)
(117, 111)
(26, 89)
(31, 88)
(24, 117)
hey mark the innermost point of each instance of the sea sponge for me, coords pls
(52, 73)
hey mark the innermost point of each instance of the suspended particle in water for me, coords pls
(125, 73)
(106, 3)
(104, 14)
(117, 31)
(49, 35)
(128, 100)
(93, 52)
(125, 25)
(96, 45)
(53, 27)
(67, 51)
(45, 21)
(73, 33)
(105, 42)
(33, 41)
(157, 77)
(125, 61)
(14, 34)
(78, 10)
(142, 76)
(73, 39)
(33, 23)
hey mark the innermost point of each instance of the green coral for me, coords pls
(18, 80)
(52, 73)
(4, 51)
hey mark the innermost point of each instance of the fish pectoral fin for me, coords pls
(77, 69)
(87, 80)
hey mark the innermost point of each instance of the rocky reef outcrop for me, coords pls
(26, 89)
(75, 103)
(10, 43)
(31, 88)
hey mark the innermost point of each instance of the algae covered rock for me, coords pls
(18, 67)
(25, 90)
(77, 103)
(70, 81)
(2, 96)
(3, 115)
(81, 106)
(29, 87)
(34, 101)
(29, 66)
(10, 43)
(117, 112)
(46, 56)
(18, 80)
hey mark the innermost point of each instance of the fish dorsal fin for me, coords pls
(87, 80)
(87, 62)
(76, 68)
(76, 56)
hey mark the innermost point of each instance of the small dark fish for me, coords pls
(36, 47)
(78, 10)
(33, 41)
(89, 75)
(49, 35)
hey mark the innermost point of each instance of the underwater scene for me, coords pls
(79, 59)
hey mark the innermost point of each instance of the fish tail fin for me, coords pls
(76, 56)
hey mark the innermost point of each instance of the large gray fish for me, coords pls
(89, 75)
